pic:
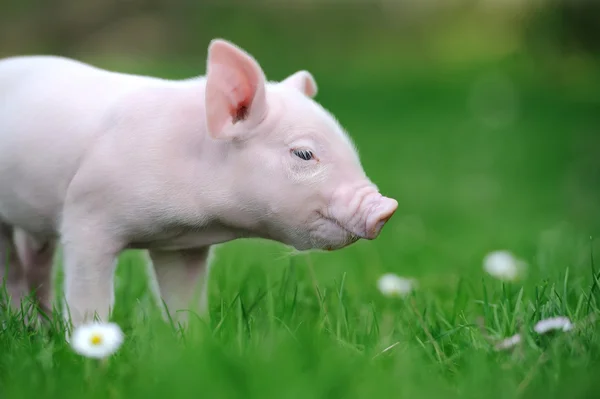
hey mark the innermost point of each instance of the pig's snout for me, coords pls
(380, 213)
(362, 210)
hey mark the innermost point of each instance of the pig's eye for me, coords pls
(306, 155)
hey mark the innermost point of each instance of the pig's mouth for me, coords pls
(352, 236)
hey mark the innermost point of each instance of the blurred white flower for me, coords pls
(509, 342)
(392, 285)
(97, 340)
(553, 323)
(503, 265)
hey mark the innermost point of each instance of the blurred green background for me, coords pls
(482, 118)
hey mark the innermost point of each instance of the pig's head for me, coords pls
(293, 173)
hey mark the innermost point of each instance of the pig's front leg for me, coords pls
(182, 281)
(90, 256)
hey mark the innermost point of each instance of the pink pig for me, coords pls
(105, 162)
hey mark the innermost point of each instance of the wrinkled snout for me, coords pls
(381, 211)
(362, 210)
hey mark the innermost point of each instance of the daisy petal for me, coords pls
(509, 342)
(392, 285)
(503, 265)
(553, 323)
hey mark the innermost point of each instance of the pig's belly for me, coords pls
(36, 220)
(29, 197)
(36, 167)
(188, 238)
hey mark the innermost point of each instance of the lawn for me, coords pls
(483, 158)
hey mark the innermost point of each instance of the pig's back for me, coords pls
(51, 109)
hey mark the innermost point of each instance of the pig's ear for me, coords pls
(235, 89)
(303, 81)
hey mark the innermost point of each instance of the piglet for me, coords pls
(100, 162)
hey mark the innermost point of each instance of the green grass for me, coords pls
(315, 325)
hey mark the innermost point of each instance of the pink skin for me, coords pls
(104, 161)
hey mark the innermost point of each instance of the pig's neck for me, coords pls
(222, 200)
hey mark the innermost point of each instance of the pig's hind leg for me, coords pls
(37, 258)
(181, 278)
(12, 275)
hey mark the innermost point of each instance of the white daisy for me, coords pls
(97, 340)
(509, 342)
(392, 285)
(553, 323)
(503, 265)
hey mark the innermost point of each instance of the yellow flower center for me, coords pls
(96, 339)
